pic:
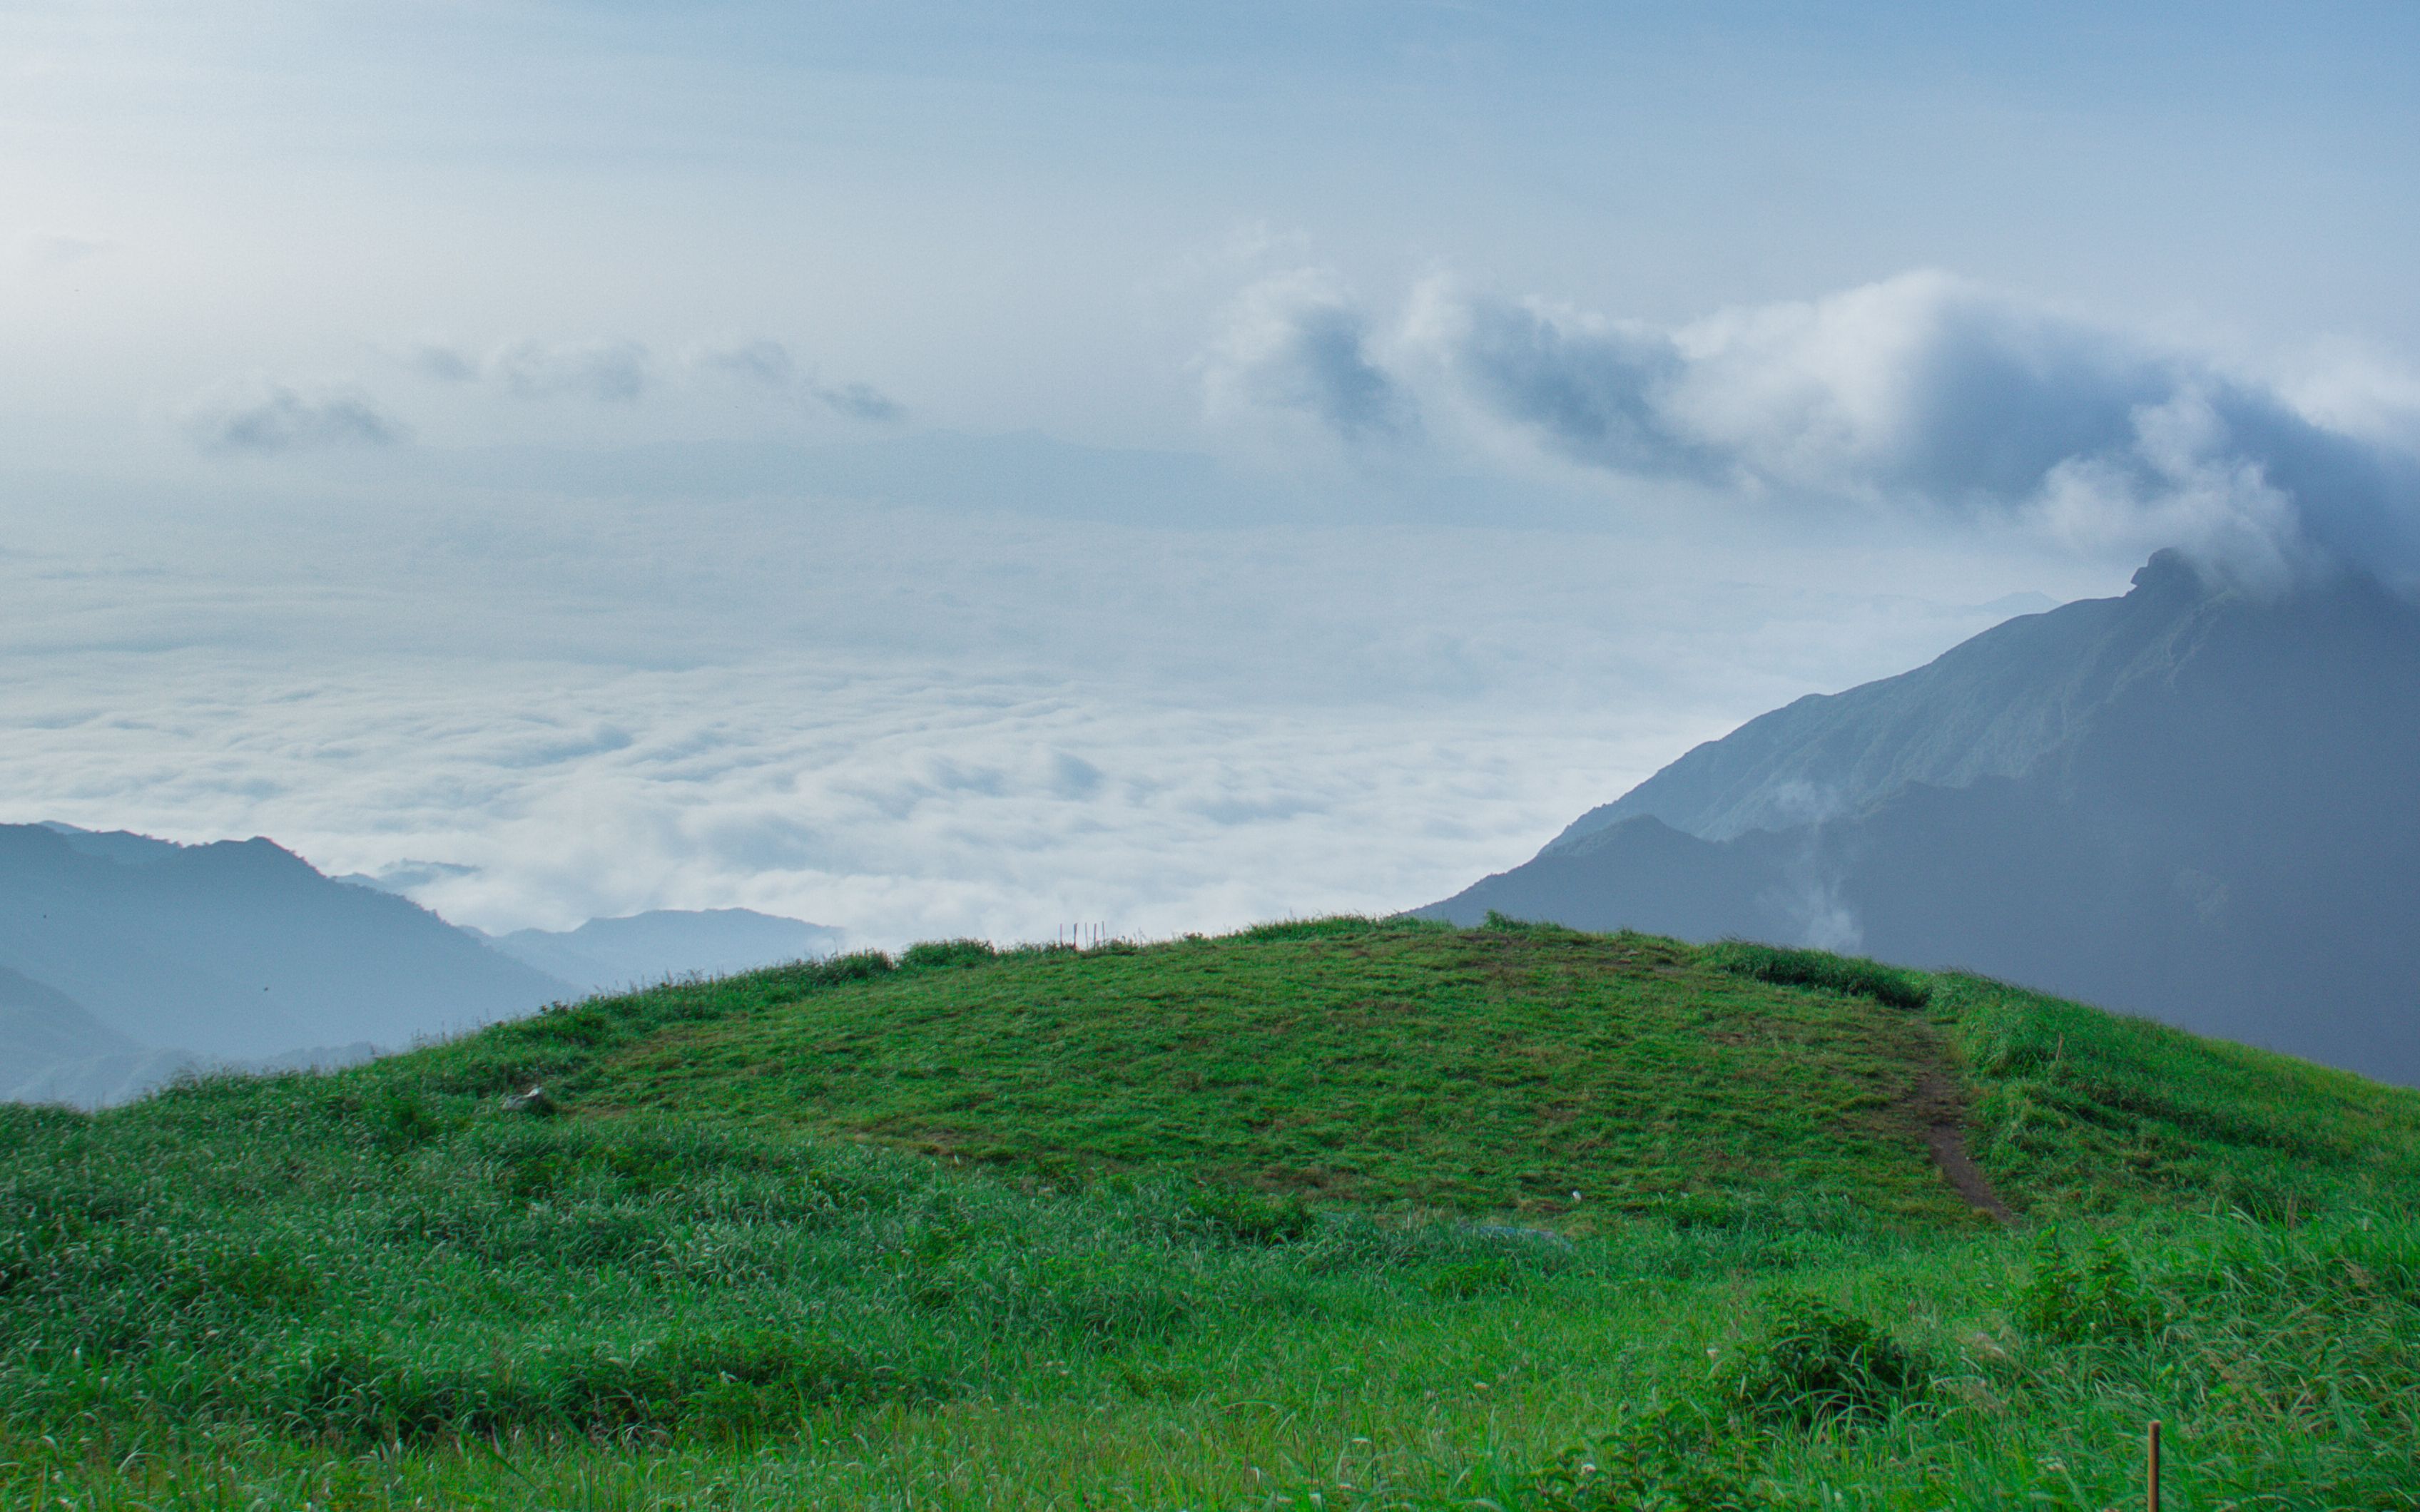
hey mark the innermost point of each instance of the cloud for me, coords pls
(1921, 391)
(613, 372)
(1594, 390)
(444, 364)
(769, 365)
(585, 711)
(1297, 342)
(271, 418)
(859, 401)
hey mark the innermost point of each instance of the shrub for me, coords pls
(402, 1122)
(1853, 974)
(1679, 1458)
(1250, 1218)
(931, 954)
(1476, 1278)
(2100, 1299)
(857, 967)
(1816, 1363)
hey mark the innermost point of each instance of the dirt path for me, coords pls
(1942, 1109)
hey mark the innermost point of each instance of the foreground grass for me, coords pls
(390, 1288)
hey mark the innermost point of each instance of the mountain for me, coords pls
(608, 954)
(237, 950)
(53, 1051)
(2192, 801)
(40, 1025)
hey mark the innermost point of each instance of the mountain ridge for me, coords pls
(1981, 709)
(2221, 836)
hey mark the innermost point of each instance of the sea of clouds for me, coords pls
(530, 708)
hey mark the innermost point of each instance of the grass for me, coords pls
(1139, 1251)
(1399, 1066)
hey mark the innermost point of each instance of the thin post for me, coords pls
(2153, 1500)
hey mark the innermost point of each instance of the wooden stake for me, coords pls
(2153, 1500)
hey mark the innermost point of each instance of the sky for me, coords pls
(937, 470)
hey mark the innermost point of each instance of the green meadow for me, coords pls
(1336, 1214)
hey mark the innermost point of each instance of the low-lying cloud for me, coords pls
(607, 372)
(1922, 389)
(271, 418)
(621, 372)
(771, 366)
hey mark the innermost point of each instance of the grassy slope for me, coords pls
(382, 1288)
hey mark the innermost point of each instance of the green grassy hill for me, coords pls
(1387, 1213)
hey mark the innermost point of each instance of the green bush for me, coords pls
(1816, 1363)
(1853, 974)
(1250, 1218)
(1677, 1459)
(2098, 1298)
(933, 954)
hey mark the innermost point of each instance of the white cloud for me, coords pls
(1921, 391)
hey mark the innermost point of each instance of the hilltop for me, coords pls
(1221, 1220)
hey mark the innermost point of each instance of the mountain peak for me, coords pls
(2169, 574)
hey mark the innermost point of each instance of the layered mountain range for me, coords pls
(2195, 802)
(126, 959)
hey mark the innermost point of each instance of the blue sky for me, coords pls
(1235, 403)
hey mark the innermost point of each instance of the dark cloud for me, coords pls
(1297, 344)
(1592, 390)
(280, 419)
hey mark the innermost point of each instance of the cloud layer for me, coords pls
(1922, 389)
(553, 708)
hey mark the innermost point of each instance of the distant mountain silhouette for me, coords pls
(2190, 802)
(606, 954)
(234, 951)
